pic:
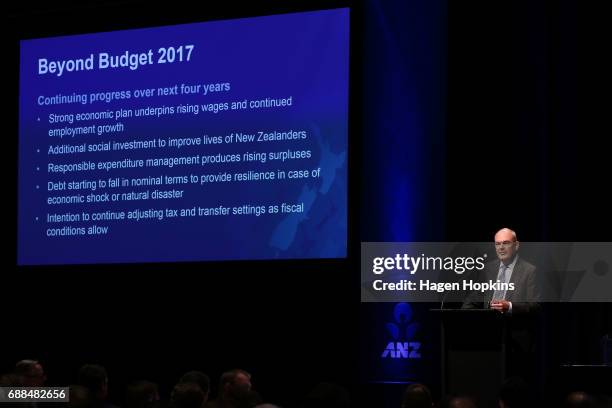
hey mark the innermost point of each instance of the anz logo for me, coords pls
(402, 331)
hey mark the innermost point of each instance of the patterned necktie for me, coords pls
(501, 293)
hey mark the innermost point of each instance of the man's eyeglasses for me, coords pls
(504, 244)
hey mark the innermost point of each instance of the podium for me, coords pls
(473, 352)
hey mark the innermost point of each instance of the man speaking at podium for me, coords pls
(509, 268)
(519, 305)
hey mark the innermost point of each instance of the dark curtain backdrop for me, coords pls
(489, 120)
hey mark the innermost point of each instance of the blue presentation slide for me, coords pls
(222, 140)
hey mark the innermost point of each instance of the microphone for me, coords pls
(443, 298)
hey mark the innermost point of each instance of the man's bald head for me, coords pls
(506, 245)
(505, 233)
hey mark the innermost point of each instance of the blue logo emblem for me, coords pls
(402, 330)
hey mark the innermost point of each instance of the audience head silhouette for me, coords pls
(199, 378)
(95, 379)
(187, 395)
(417, 396)
(579, 399)
(141, 394)
(31, 373)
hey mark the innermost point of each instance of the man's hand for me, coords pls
(500, 305)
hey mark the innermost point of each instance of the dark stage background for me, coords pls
(466, 117)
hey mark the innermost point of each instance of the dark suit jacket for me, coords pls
(525, 308)
(526, 289)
